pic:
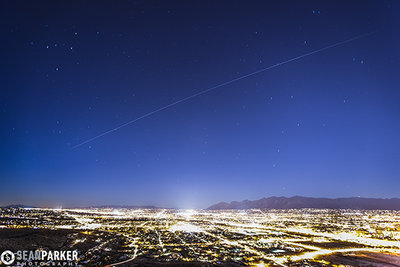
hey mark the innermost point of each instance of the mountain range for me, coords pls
(299, 202)
(296, 202)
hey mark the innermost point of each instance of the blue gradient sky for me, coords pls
(326, 125)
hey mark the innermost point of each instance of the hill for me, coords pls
(299, 202)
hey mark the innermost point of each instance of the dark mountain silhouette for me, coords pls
(298, 202)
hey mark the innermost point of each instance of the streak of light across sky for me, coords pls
(221, 85)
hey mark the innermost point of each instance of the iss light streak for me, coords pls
(223, 84)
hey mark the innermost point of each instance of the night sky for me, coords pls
(325, 125)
